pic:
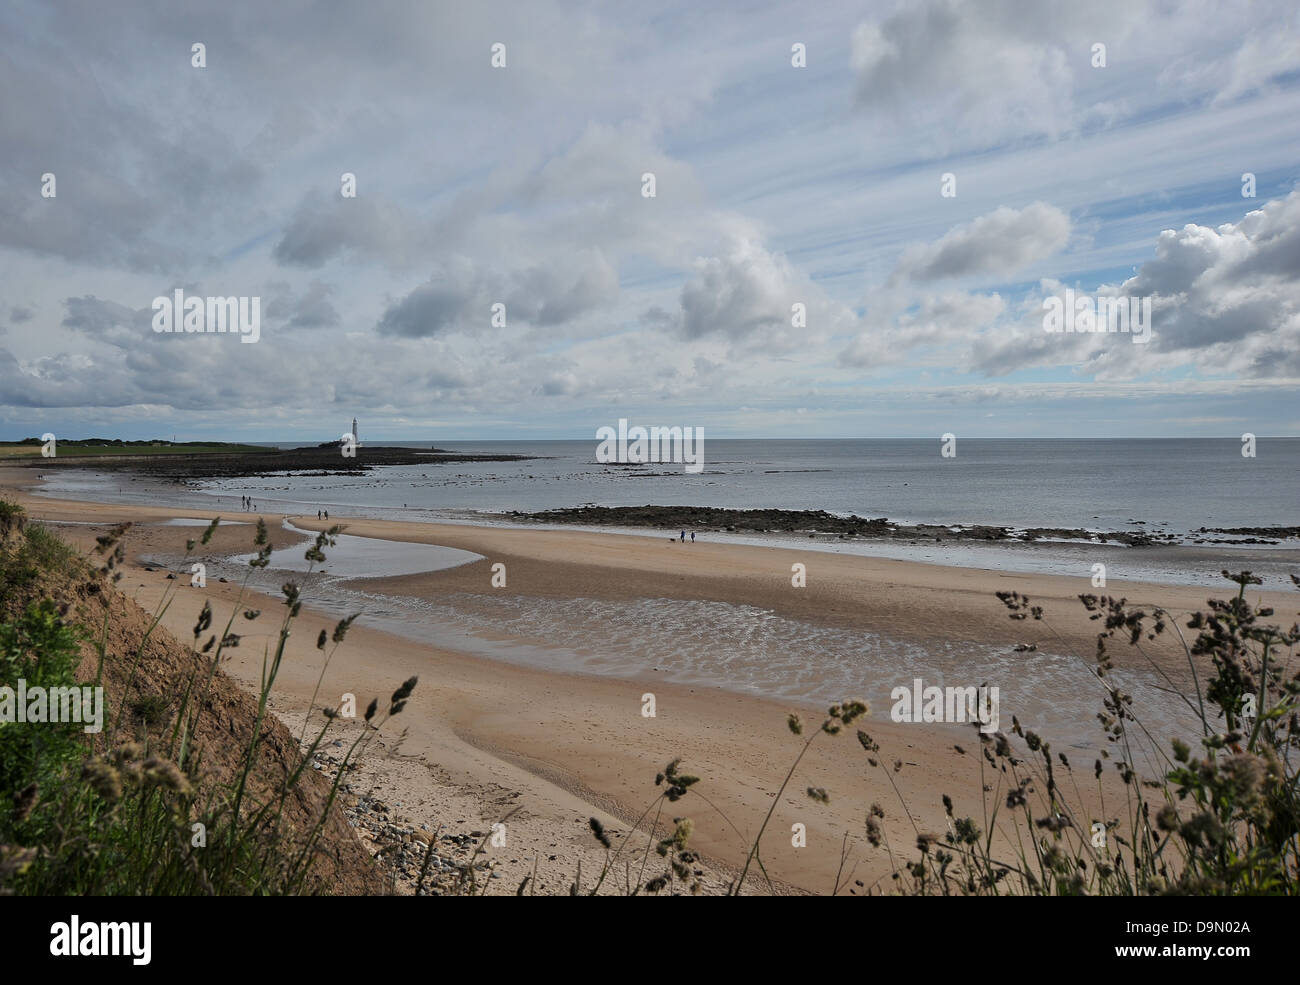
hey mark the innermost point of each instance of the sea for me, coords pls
(1176, 486)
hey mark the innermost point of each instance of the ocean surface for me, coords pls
(1177, 485)
(1174, 486)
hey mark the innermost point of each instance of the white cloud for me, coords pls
(1225, 300)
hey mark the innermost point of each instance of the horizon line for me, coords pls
(461, 440)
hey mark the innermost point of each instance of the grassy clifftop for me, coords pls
(189, 788)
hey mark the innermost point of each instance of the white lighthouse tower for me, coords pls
(354, 432)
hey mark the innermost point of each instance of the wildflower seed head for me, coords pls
(166, 774)
(103, 779)
(341, 630)
(874, 835)
(404, 692)
(1167, 818)
(25, 801)
(204, 620)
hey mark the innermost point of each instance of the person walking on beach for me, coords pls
(683, 536)
(692, 536)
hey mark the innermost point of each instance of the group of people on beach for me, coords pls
(684, 537)
(246, 503)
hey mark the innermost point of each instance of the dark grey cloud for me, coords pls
(326, 227)
(430, 309)
(453, 298)
(314, 309)
(1000, 243)
(106, 321)
(310, 309)
(460, 296)
(555, 295)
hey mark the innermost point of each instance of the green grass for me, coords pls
(127, 811)
(35, 555)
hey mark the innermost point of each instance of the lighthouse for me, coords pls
(354, 431)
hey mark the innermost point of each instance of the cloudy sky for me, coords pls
(775, 186)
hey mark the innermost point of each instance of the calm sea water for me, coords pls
(1169, 485)
(1175, 485)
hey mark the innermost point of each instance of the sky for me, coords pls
(857, 216)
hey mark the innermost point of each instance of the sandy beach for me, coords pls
(485, 737)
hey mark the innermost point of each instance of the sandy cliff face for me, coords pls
(147, 672)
